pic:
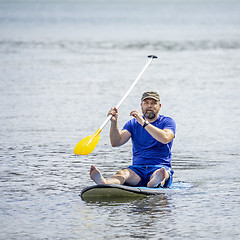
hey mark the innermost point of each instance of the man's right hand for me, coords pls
(114, 113)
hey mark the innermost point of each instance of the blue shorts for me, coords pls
(145, 172)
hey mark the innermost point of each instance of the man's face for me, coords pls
(150, 108)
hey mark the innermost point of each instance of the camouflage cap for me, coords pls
(150, 94)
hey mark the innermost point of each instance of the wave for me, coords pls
(6, 45)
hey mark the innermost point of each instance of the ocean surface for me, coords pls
(64, 64)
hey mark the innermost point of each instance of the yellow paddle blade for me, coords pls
(87, 144)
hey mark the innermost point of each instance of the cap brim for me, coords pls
(151, 98)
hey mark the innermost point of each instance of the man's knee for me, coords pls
(122, 174)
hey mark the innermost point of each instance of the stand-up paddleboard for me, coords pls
(114, 191)
(108, 192)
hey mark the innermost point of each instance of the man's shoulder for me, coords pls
(166, 121)
(165, 118)
(129, 124)
(132, 121)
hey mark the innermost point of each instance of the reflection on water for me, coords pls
(139, 216)
(152, 205)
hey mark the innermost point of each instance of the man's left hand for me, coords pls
(138, 116)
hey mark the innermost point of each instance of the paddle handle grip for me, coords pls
(130, 89)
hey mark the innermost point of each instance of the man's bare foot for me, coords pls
(96, 176)
(159, 178)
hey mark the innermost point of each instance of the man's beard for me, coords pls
(149, 115)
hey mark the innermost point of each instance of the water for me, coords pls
(63, 64)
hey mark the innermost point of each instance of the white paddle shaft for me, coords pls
(130, 89)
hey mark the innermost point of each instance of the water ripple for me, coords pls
(8, 46)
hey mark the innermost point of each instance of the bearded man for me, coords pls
(152, 137)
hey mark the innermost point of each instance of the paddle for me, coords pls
(87, 144)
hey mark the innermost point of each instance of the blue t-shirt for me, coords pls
(146, 149)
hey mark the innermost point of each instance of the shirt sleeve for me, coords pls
(129, 126)
(169, 123)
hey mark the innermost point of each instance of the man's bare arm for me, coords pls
(117, 137)
(162, 135)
